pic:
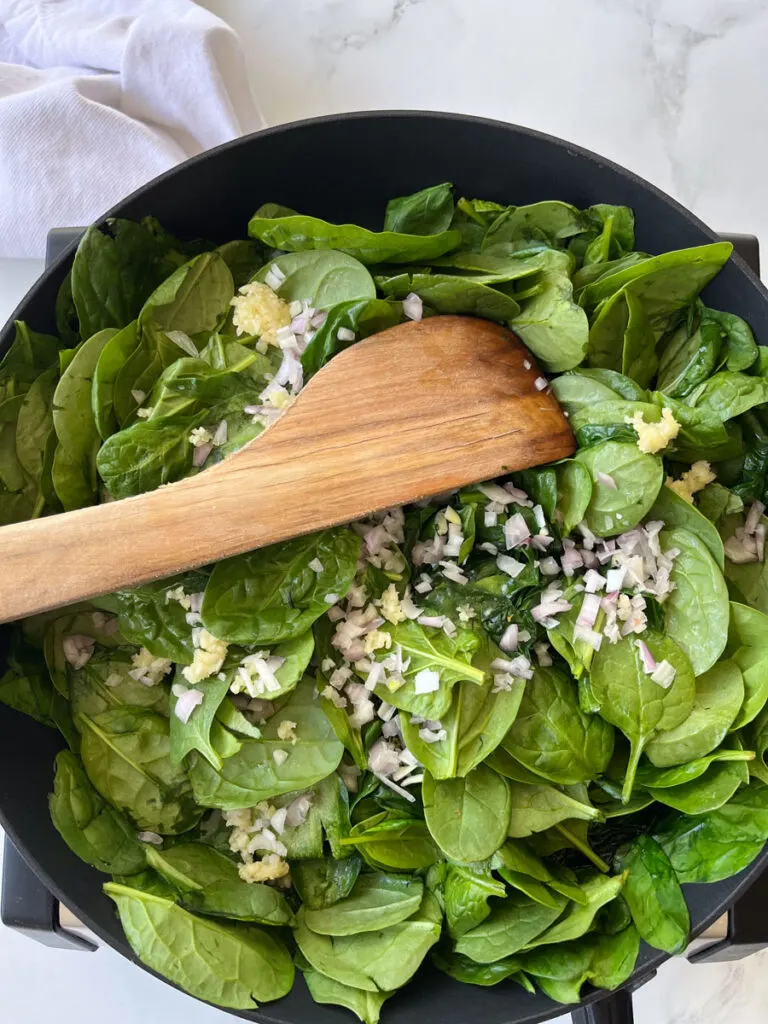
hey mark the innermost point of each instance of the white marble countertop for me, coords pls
(676, 90)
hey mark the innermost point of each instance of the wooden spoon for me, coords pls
(413, 411)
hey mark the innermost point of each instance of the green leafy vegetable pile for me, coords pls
(498, 728)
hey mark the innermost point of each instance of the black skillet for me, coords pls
(345, 168)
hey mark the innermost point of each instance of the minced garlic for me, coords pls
(199, 436)
(652, 437)
(695, 479)
(287, 731)
(390, 605)
(377, 640)
(267, 870)
(147, 668)
(208, 659)
(260, 311)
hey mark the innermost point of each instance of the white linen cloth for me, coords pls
(99, 96)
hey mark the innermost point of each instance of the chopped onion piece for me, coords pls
(183, 341)
(615, 579)
(760, 541)
(426, 681)
(220, 436)
(519, 667)
(510, 638)
(736, 550)
(607, 481)
(544, 658)
(345, 334)
(395, 788)
(414, 780)
(435, 621)
(413, 307)
(648, 660)
(200, 455)
(509, 565)
(593, 581)
(589, 636)
(150, 837)
(540, 383)
(664, 674)
(590, 609)
(187, 703)
(516, 530)
(298, 810)
(753, 516)
(495, 493)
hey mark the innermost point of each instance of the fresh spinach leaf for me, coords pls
(323, 279)
(74, 462)
(470, 973)
(654, 896)
(126, 755)
(638, 478)
(696, 612)
(195, 733)
(299, 233)
(550, 223)
(468, 817)
(665, 283)
(253, 774)
(365, 1005)
(630, 700)
(748, 648)
(577, 918)
(104, 683)
(727, 394)
(94, 831)
(322, 882)
(690, 355)
(550, 323)
(232, 965)
(391, 843)
(361, 316)
(719, 697)
(709, 792)
(428, 212)
(208, 883)
(466, 891)
(150, 617)
(272, 594)
(377, 961)
(675, 511)
(448, 293)
(511, 926)
(429, 648)
(116, 352)
(376, 901)
(115, 269)
(537, 807)
(553, 737)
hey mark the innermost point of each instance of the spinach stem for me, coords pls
(584, 848)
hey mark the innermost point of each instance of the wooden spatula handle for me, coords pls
(344, 449)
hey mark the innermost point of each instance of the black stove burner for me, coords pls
(27, 906)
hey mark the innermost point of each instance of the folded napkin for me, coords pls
(99, 96)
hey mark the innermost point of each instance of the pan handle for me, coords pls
(28, 907)
(614, 1008)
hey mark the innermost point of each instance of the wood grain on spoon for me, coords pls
(416, 410)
